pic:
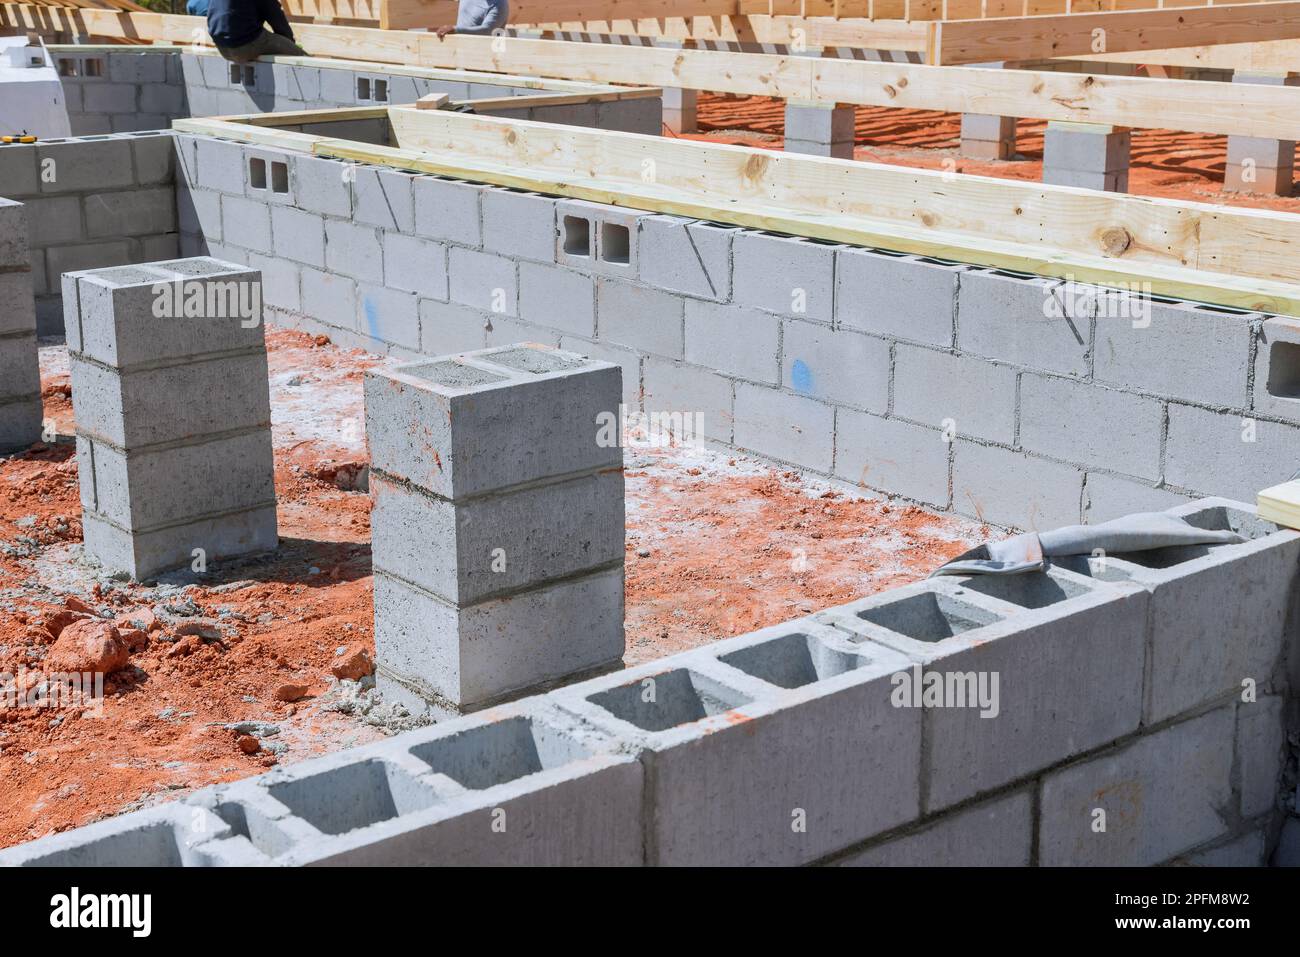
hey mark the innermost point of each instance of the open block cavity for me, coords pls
(669, 700)
(353, 796)
(492, 754)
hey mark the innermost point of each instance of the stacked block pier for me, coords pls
(497, 524)
(172, 405)
(20, 378)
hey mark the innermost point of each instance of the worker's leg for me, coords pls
(268, 43)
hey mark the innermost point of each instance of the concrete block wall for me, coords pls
(20, 373)
(803, 742)
(1021, 401)
(496, 524)
(112, 90)
(173, 414)
(94, 201)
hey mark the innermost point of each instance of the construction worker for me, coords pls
(478, 17)
(236, 28)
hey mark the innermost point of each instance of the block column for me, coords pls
(1089, 155)
(987, 137)
(173, 415)
(679, 104)
(497, 529)
(20, 373)
(1256, 164)
(821, 129)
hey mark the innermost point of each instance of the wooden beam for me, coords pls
(405, 14)
(1266, 56)
(1187, 105)
(1229, 256)
(1074, 35)
(756, 28)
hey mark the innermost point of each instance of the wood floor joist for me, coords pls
(1227, 256)
(1186, 105)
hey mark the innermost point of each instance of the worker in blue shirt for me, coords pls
(478, 17)
(236, 27)
(196, 8)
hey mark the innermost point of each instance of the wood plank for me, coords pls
(1212, 254)
(1266, 56)
(405, 14)
(1035, 38)
(1280, 504)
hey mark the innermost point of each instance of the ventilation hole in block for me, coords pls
(1167, 557)
(353, 796)
(279, 177)
(257, 173)
(668, 700)
(92, 68)
(1284, 370)
(363, 88)
(250, 74)
(577, 236)
(536, 361)
(792, 661)
(1030, 590)
(236, 73)
(1221, 517)
(929, 616)
(259, 829)
(381, 91)
(154, 845)
(495, 753)
(452, 375)
(615, 244)
(67, 68)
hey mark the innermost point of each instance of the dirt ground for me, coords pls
(1186, 166)
(717, 545)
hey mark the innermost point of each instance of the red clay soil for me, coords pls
(1187, 166)
(717, 546)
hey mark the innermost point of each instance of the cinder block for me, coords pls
(519, 224)
(734, 340)
(626, 359)
(543, 532)
(110, 98)
(1144, 345)
(901, 297)
(702, 393)
(988, 137)
(56, 219)
(1261, 741)
(247, 223)
(155, 159)
(598, 237)
(281, 282)
(298, 235)
(448, 327)
(483, 280)
(82, 165)
(220, 165)
(641, 317)
(758, 752)
(1066, 655)
(1023, 320)
(146, 68)
(680, 109)
(155, 837)
(892, 456)
(1190, 660)
(135, 212)
(338, 87)
(1235, 454)
(18, 170)
(935, 388)
(448, 210)
(784, 426)
(1091, 425)
(321, 186)
(329, 299)
(17, 312)
(491, 422)
(384, 198)
(823, 128)
(644, 114)
(415, 265)
(1108, 182)
(783, 274)
(354, 251)
(20, 417)
(388, 315)
(835, 365)
(688, 257)
(557, 297)
(62, 259)
(1248, 850)
(1085, 148)
(1276, 388)
(1109, 496)
(1265, 180)
(996, 833)
(1009, 488)
(163, 99)
(1188, 765)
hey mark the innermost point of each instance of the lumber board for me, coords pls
(1280, 504)
(1266, 56)
(1044, 37)
(1140, 102)
(406, 14)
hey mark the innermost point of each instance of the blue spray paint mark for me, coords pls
(801, 377)
(372, 317)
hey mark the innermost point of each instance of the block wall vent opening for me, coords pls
(929, 616)
(615, 244)
(250, 74)
(92, 67)
(257, 172)
(1284, 370)
(67, 67)
(279, 177)
(381, 91)
(668, 700)
(363, 88)
(236, 74)
(577, 236)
